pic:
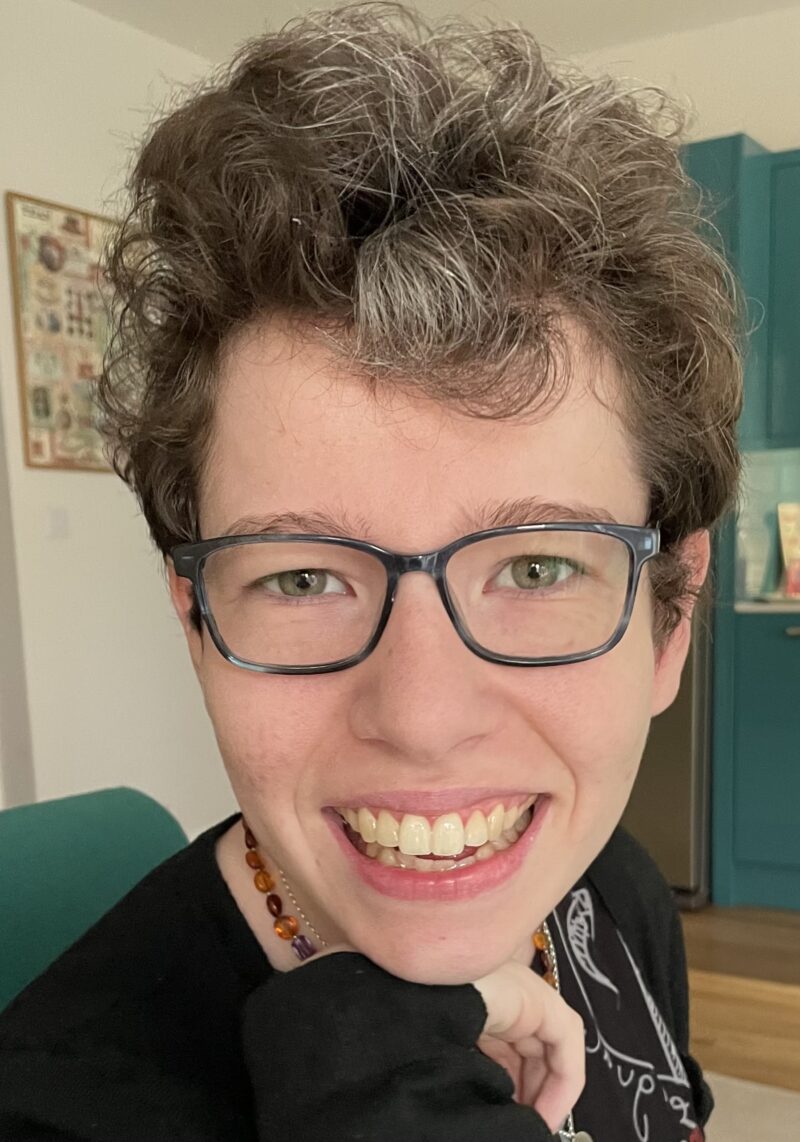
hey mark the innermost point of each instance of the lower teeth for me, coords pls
(393, 858)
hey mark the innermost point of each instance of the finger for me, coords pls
(521, 1007)
(513, 994)
(530, 1048)
(565, 1076)
(532, 1076)
(519, 1004)
(505, 1055)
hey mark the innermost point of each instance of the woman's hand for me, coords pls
(536, 1037)
(532, 1033)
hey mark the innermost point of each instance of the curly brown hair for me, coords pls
(434, 200)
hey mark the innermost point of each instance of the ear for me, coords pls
(671, 657)
(182, 595)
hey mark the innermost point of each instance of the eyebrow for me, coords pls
(502, 513)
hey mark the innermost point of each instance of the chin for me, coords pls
(432, 959)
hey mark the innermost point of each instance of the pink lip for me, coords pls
(434, 801)
(455, 885)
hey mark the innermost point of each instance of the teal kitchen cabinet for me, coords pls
(716, 166)
(753, 197)
(783, 306)
(760, 793)
(768, 260)
(754, 201)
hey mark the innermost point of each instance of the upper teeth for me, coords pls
(444, 836)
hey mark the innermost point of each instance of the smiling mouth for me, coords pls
(436, 844)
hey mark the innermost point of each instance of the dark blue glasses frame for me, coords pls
(643, 543)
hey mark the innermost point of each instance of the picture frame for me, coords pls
(61, 329)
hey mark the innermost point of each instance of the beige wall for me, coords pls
(17, 784)
(740, 76)
(110, 692)
(103, 693)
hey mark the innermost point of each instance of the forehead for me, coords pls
(295, 432)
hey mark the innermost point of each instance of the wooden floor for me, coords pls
(744, 980)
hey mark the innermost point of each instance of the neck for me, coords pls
(238, 877)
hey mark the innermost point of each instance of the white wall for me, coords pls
(740, 76)
(111, 694)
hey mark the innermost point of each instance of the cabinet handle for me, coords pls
(793, 632)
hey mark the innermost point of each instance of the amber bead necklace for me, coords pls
(285, 924)
(287, 927)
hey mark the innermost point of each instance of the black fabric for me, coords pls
(635, 1076)
(166, 1021)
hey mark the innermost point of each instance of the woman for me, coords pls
(396, 306)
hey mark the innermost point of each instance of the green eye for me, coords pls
(300, 584)
(537, 572)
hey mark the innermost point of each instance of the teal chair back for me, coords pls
(63, 864)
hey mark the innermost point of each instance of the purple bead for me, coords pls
(303, 948)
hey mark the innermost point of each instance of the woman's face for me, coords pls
(423, 726)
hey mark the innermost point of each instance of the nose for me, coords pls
(422, 692)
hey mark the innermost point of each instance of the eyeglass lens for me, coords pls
(525, 594)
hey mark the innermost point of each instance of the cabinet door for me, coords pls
(752, 197)
(715, 165)
(766, 790)
(783, 394)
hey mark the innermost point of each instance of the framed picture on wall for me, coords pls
(61, 329)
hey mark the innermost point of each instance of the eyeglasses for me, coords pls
(531, 595)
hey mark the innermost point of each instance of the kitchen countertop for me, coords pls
(768, 607)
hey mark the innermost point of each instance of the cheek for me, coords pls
(605, 718)
(623, 719)
(268, 729)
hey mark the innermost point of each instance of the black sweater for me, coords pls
(166, 1023)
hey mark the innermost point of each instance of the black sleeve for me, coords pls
(339, 1051)
(52, 1097)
